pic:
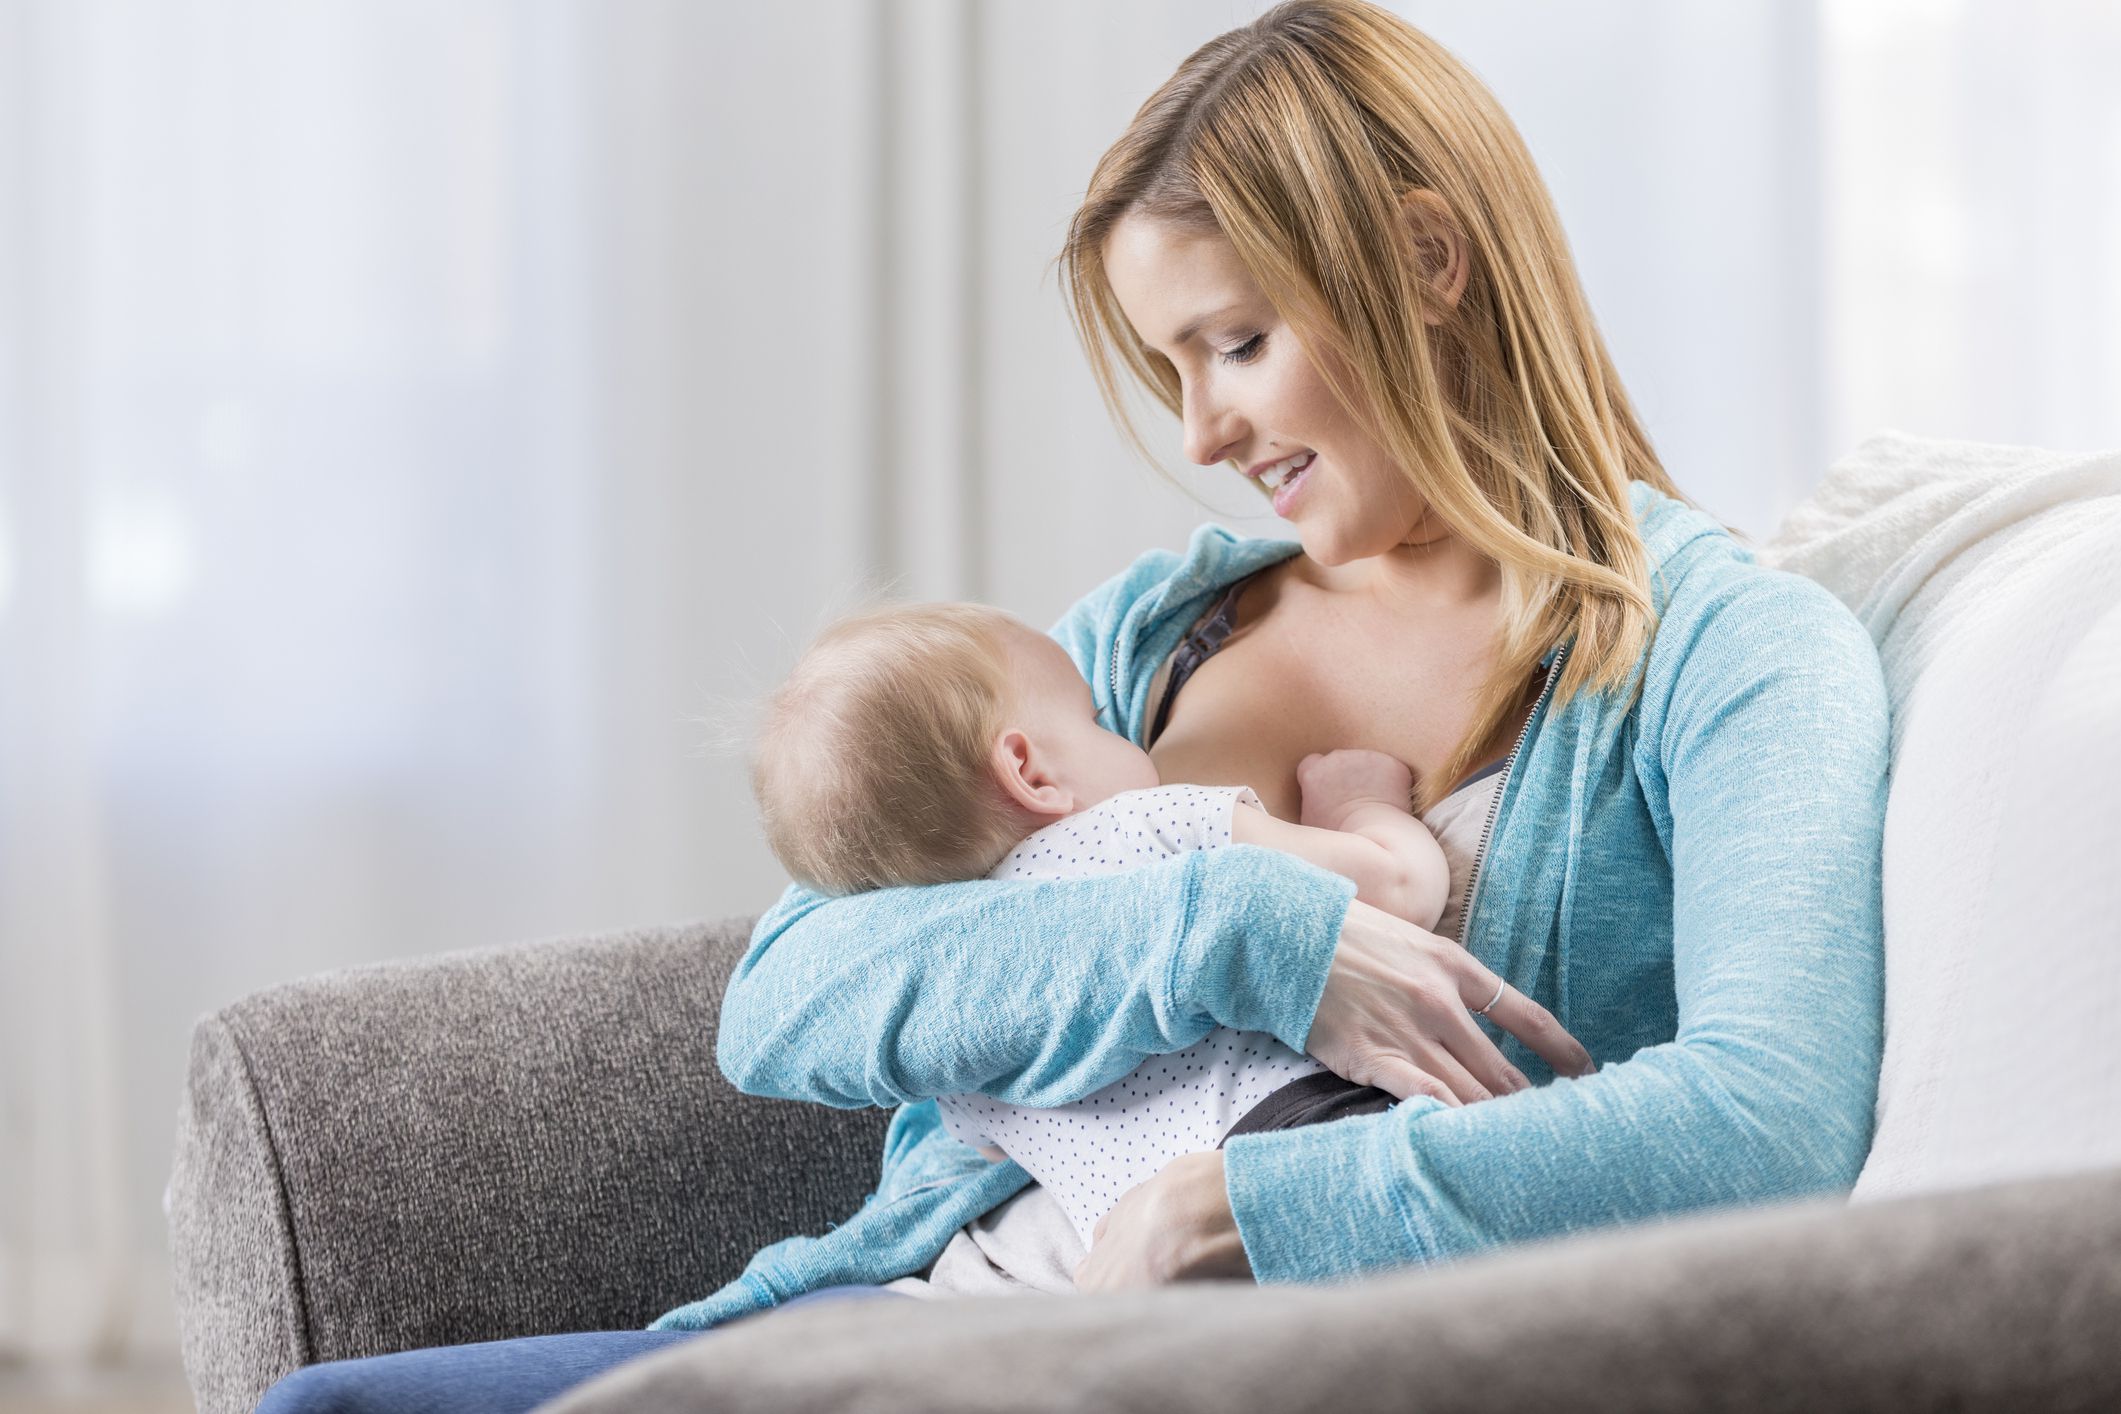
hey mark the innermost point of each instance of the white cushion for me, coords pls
(1990, 578)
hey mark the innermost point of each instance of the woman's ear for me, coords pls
(1446, 256)
(1026, 775)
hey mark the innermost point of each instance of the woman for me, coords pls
(1325, 248)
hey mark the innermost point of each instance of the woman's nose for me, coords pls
(1211, 430)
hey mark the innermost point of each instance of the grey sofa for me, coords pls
(535, 1138)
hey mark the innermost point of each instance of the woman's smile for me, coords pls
(1283, 478)
(1274, 473)
(1289, 483)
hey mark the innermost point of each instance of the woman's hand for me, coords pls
(1176, 1226)
(1397, 1013)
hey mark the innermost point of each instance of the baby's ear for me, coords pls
(1024, 773)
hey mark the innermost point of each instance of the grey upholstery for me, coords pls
(503, 1142)
(2004, 1298)
(535, 1138)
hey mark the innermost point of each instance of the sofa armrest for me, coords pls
(2004, 1297)
(494, 1143)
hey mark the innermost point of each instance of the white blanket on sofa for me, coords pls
(1990, 578)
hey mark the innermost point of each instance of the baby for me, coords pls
(936, 743)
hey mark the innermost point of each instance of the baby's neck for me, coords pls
(1030, 822)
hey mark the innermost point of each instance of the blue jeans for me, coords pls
(492, 1377)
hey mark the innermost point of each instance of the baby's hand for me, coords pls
(1335, 783)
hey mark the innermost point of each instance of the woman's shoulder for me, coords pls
(1703, 576)
(1215, 557)
(1160, 580)
(1726, 623)
(1103, 631)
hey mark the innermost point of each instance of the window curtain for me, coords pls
(302, 538)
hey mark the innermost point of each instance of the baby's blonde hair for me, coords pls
(871, 765)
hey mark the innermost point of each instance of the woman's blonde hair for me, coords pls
(1298, 138)
(871, 764)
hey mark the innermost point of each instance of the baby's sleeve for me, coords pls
(1188, 817)
(963, 1126)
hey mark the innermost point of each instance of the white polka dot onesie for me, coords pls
(1089, 1153)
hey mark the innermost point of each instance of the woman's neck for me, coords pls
(1432, 572)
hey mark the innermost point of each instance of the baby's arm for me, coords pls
(1356, 823)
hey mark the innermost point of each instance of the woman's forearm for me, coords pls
(1676, 1128)
(1037, 992)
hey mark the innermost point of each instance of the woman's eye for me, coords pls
(1246, 351)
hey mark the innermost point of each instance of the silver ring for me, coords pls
(1500, 988)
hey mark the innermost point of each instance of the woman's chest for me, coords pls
(1276, 692)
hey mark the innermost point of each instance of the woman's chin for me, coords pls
(1332, 544)
(1325, 548)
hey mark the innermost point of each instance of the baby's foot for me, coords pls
(1337, 781)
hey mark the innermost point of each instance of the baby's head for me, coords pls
(920, 743)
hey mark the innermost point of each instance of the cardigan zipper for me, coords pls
(1115, 678)
(1480, 851)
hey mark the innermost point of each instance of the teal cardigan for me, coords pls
(1689, 881)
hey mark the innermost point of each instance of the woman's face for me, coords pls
(1250, 394)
